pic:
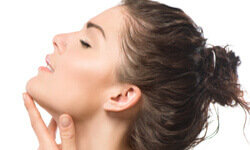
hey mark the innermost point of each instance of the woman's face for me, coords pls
(83, 76)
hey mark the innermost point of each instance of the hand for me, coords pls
(46, 135)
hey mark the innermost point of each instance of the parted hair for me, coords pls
(166, 55)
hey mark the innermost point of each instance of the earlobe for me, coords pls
(127, 98)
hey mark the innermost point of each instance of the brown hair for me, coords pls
(166, 56)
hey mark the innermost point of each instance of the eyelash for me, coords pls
(85, 44)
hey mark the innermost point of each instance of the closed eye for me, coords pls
(85, 44)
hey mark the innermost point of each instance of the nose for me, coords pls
(60, 43)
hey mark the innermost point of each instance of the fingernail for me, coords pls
(65, 121)
(24, 96)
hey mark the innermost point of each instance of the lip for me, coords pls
(44, 69)
(47, 59)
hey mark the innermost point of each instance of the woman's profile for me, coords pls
(138, 76)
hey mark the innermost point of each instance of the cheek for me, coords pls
(79, 85)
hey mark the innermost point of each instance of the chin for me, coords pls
(31, 87)
(35, 88)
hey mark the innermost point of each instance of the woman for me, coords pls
(137, 76)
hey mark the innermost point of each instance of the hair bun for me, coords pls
(222, 83)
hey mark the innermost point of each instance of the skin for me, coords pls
(46, 135)
(84, 85)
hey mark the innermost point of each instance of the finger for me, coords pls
(67, 132)
(36, 120)
(52, 128)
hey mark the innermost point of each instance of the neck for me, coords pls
(101, 132)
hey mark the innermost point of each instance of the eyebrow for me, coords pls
(90, 24)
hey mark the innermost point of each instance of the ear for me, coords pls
(128, 96)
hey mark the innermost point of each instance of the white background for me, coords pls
(28, 26)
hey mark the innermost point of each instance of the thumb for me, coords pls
(67, 132)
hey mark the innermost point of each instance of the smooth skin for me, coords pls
(47, 135)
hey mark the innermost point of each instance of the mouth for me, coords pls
(49, 66)
(46, 69)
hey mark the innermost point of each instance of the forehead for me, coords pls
(111, 21)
